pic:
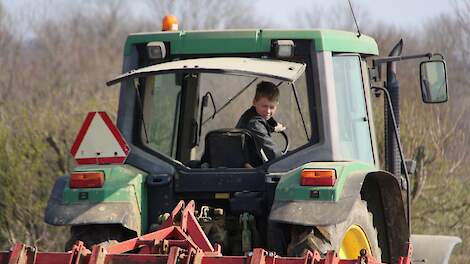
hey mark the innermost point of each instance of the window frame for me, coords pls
(176, 120)
(154, 151)
(305, 52)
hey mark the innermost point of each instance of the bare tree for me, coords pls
(336, 16)
(208, 14)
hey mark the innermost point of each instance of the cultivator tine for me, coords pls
(331, 257)
(270, 258)
(78, 253)
(259, 256)
(22, 254)
(174, 255)
(98, 254)
(18, 254)
(312, 258)
(407, 259)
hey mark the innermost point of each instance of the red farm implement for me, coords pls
(181, 240)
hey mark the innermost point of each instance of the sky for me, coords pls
(396, 12)
(402, 13)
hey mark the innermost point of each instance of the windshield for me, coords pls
(179, 110)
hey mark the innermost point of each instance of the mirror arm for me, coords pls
(379, 61)
(376, 71)
(439, 55)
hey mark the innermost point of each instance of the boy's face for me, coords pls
(264, 107)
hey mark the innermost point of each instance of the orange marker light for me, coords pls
(170, 23)
(318, 177)
(87, 179)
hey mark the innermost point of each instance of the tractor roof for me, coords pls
(253, 40)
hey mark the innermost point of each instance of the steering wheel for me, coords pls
(286, 140)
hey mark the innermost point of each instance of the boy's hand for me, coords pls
(279, 128)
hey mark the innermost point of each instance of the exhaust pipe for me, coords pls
(392, 154)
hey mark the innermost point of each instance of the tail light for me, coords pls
(87, 179)
(318, 177)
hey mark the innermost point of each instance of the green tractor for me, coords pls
(181, 95)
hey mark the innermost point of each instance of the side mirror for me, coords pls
(433, 80)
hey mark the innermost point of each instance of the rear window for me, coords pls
(162, 100)
(163, 103)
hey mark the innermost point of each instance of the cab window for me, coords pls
(354, 132)
(162, 100)
(177, 131)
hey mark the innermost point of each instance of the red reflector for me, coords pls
(87, 179)
(316, 177)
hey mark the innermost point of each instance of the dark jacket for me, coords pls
(261, 129)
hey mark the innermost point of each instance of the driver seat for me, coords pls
(231, 148)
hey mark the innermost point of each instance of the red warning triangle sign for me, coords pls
(99, 141)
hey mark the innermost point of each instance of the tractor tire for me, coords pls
(98, 235)
(323, 238)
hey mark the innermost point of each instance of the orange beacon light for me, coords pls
(170, 23)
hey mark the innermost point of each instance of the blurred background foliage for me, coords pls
(53, 72)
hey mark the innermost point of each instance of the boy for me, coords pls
(259, 120)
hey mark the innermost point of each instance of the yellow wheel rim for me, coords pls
(354, 240)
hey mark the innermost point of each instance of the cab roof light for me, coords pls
(170, 23)
(318, 177)
(156, 50)
(284, 48)
(86, 179)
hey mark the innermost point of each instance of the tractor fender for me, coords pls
(385, 200)
(312, 212)
(59, 213)
(382, 192)
(433, 249)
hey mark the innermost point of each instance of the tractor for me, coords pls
(181, 94)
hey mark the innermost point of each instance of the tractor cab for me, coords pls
(189, 109)
(183, 94)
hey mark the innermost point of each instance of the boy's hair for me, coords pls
(268, 90)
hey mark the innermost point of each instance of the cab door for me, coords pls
(353, 122)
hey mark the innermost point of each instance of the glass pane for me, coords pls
(232, 95)
(161, 103)
(433, 82)
(288, 113)
(354, 134)
(230, 100)
(236, 93)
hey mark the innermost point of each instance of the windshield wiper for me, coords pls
(204, 104)
(139, 102)
(175, 121)
(300, 110)
(227, 103)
